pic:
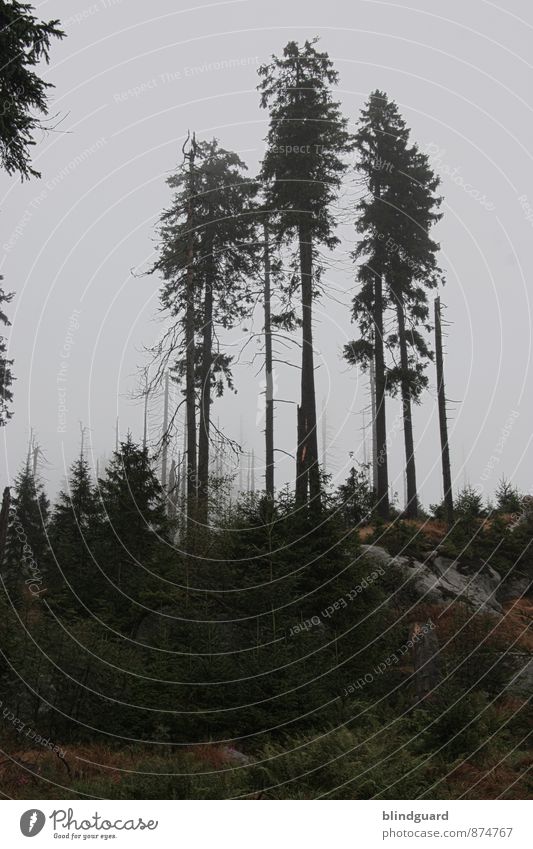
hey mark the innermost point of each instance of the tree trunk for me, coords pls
(145, 428)
(269, 380)
(411, 508)
(4, 522)
(443, 422)
(308, 439)
(165, 440)
(381, 421)
(190, 388)
(374, 434)
(205, 395)
(301, 470)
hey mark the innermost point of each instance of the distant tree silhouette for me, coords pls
(302, 171)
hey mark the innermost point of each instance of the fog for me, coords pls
(130, 80)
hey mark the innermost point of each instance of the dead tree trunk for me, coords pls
(443, 421)
(308, 484)
(411, 508)
(269, 379)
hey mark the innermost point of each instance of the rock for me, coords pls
(439, 579)
(235, 756)
(521, 683)
(514, 586)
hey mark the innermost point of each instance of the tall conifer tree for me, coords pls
(24, 42)
(220, 262)
(302, 171)
(399, 266)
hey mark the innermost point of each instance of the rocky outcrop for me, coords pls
(514, 586)
(521, 682)
(440, 580)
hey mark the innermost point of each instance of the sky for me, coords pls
(130, 80)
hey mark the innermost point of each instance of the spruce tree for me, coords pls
(24, 42)
(72, 534)
(412, 272)
(133, 542)
(25, 561)
(399, 266)
(302, 171)
(375, 143)
(222, 265)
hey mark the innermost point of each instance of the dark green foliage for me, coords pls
(399, 267)
(135, 533)
(400, 538)
(24, 42)
(468, 503)
(508, 498)
(307, 139)
(223, 251)
(74, 530)
(460, 726)
(272, 632)
(438, 511)
(26, 541)
(394, 217)
(6, 376)
(507, 548)
(359, 761)
(276, 637)
(356, 498)
(301, 174)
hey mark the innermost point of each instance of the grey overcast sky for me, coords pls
(131, 78)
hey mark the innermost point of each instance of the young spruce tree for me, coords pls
(134, 542)
(26, 538)
(72, 536)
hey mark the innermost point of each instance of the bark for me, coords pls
(374, 435)
(190, 388)
(411, 508)
(4, 521)
(205, 394)
(443, 422)
(301, 471)
(381, 421)
(309, 484)
(164, 451)
(145, 428)
(269, 387)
